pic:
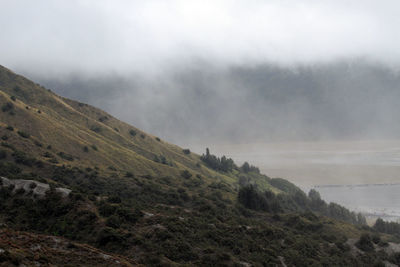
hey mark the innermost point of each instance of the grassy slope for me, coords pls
(67, 126)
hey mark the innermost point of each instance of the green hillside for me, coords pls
(153, 203)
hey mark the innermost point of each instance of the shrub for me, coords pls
(365, 243)
(108, 236)
(3, 154)
(17, 88)
(142, 136)
(21, 158)
(106, 210)
(186, 174)
(95, 129)
(132, 132)
(20, 191)
(186, 151)
(10, 128)
(23, 134)
(85, 149)
(114, 199)
(37, 143)
(113, 221)
(47, 155)
(103, 119)
(7, 107)
(158, 139)
(4, 137)
(94, 147)
(39, 111)
(65, 156)
(13, 98)
(53, 160)
(128, 174)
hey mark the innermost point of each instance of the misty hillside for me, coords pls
(350, 99)
(118, 195)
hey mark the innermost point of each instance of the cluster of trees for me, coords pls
(224, 164)
(334, 210)
(250, 197)
(219, 164)
(392, 228)
(246, 168)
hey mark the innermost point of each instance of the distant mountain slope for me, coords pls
(349, 99)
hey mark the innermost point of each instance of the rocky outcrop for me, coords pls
(31, 187)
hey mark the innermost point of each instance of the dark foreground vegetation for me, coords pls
(158, 221)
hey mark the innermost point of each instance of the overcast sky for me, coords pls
(217, 71)
(55, 37)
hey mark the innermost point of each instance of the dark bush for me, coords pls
(365, 243)
(47, 155)
(186, 174)
(103, 119)
(132, 132)
(13, 98)
(158, 139)
(3, 154)
(186, 151)
(21, 158)
(113, 221)
(10, 128)
(7, 107)
(20, 191)
(106, 209)
(85, 149)
(96, 129)
(94, 147)
(23, 134)
(112, 168)
(114, 199)
(65, 156)
(37, 143)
